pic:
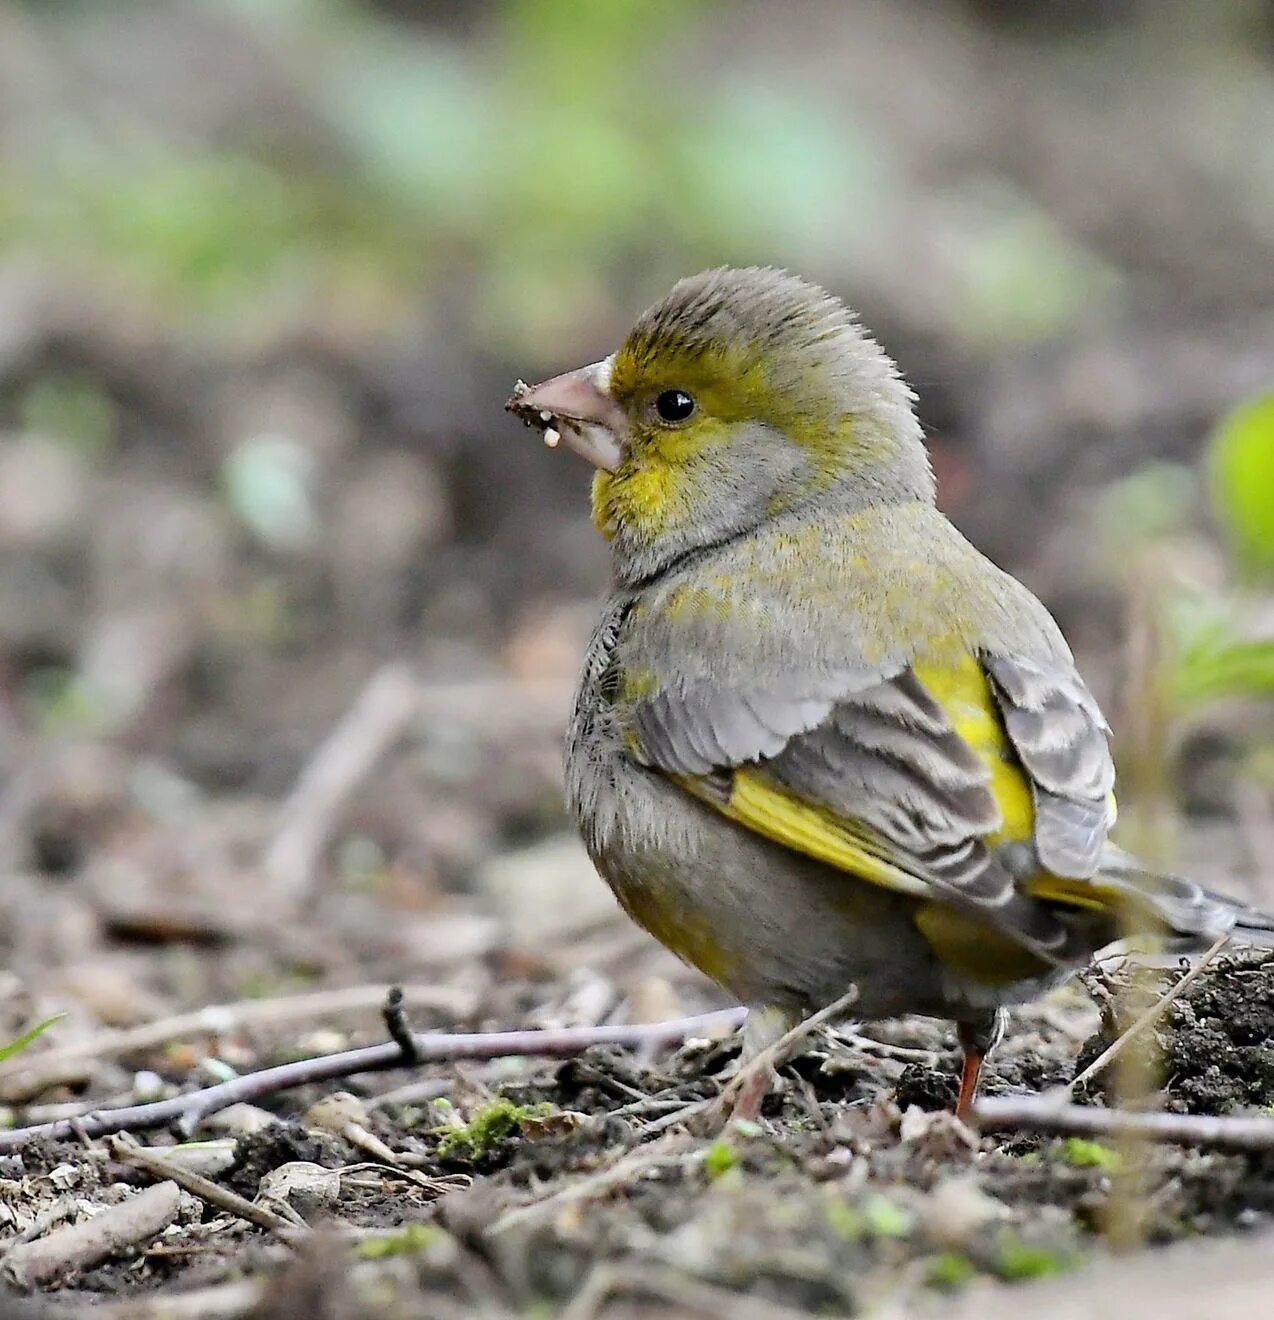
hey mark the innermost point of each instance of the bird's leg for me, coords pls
(977, 1039)
(765, 1025)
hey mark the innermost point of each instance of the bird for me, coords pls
(819, 740)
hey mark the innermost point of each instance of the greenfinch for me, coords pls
(819, 739)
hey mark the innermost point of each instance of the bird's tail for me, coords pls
(1187, 909)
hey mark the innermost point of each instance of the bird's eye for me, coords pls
(675, 406)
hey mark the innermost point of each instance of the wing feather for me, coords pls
(1060, 736)
(875, 780)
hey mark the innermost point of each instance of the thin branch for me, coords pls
(396, 1024)
(886, 1050)
(351, 751)
(117, 1229)
(188, 1111)
(23, 1073)
(769, 1058)
(123, 1147)
(1029, 1113)
(1150, 1016)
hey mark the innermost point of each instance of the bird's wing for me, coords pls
(1060, 737)
(904, 779)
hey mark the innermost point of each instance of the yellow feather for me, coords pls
(814, 831)
(960, 686)
(957, 681)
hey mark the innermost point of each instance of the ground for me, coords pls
(526, 1182)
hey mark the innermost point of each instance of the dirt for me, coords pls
(856, 1184)
(1214, 1039)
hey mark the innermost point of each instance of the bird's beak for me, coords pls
(577, 408)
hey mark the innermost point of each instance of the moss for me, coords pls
(1084, 1154)
(407, 1241)
(845, 1221)
(949, 1271)
(720, 1159)
(877, 1217)
(885, 1219)
(489, 1126)
(1024, 1260)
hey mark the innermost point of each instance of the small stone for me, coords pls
(335, 1112)
(239, 1119)
(957, 1210)
(312, 1182)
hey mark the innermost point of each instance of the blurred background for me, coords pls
(289, 609)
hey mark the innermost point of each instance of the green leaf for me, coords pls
(1024, 1260)
(949, 1270)
(407, 1241)
(885, 1219)
(1085, 1154)
(1242, 464)
(1213, 654)
(720, 1159)
(17, 1046)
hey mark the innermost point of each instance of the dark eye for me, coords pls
(675, 406)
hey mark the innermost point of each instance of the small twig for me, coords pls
(449, 1182)
(24, 1071)
(1021, 1113)
(81, 1246)
(905, 1053)
(351, 751)
(221, 1301)
(682, 1116)
(687, 1294)
(395, 1015)
(413, 1093)
(63, 1208)
(123, 1147)
(773, 1055)
(674, 1149)
(432, 1047)
(1150, 1016)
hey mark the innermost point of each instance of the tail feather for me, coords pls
(1186, 908)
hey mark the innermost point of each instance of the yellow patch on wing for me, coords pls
(960, 686)
(776, 815)
(1074, 893)
(1136, 912)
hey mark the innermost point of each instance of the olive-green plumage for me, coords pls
(820, 739)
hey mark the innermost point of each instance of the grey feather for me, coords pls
(1059, 734)
(693, 728)
(885, 758)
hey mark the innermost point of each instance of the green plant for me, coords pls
(950, 1270)
(15, 1047)
(1084, 1154)
(720, 1159)
(1023, 1260)
(489, 1126)
(406, 1241)
(1242, 472)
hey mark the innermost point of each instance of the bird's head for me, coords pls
(742, 396)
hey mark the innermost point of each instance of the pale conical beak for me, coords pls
(577, 409)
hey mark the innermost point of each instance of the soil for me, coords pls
(856, 1184)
